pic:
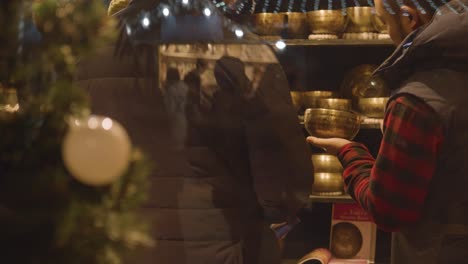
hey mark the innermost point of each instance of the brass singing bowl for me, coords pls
(326, 21)
(379, 24)
(296, 24)
(326, 163)
(331, 103)
(372, 107)
(268, 24)
(360, 19)
(328, 183)
(329, 123)
(360, 82)
(346, 240)
(308, 99)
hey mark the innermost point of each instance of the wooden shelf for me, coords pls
(345, 198)
(334, 42)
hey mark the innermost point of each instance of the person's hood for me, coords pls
(442, 43)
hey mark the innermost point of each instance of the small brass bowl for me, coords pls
(329, 123)
(296, 24)
(360, 19)
(379, 24)
(308, 99)
(332, 103)
(328, 183)
(326, 163)
(326, 21)
(268, 24)
(372, 107)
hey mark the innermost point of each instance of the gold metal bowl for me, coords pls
(360, 19)
(332, 103)
(329, 123)
(372, 107)
(360, 82)
(328, 183)
(308, 99)
(326, 163)
(296, 24)
(268, 24)
(326, 21)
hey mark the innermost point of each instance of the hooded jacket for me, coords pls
(432, 65)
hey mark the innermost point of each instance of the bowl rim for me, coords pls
(350, 112)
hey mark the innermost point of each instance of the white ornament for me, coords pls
(96, 150)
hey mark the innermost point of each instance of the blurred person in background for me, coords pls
(416, 186)
(242, 165)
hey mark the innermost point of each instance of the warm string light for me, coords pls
(419, 7)
(388, 8)
(303, 5)
(290, 5)
(278, 6)
(265, 6)
(316, 5)
(281, 45)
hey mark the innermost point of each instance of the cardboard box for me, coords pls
(352, 235)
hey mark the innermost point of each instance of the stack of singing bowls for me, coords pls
(328, 178)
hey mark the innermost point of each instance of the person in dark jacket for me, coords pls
(416, 186)
(243, 165)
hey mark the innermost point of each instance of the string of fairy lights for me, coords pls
(209, 7)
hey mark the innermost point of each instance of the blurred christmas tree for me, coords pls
(70, 184)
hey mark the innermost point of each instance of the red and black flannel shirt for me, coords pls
(393, 187)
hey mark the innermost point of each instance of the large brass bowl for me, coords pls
(359, 82)
(268, 24)
(360, 19)
(296, 24)
(331, 103)
(372, 107)
(326, 163)
(329, 123)
(326, 21)
(328, 183)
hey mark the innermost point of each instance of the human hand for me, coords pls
(330, 145)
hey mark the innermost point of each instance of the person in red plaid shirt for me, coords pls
(416, 186)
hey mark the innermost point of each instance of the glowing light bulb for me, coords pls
(207, 12)
(239, 33)
(128, 29)
(280, 44)
(106, 123)
(166, 12)
(185, 2)
(145, 22)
